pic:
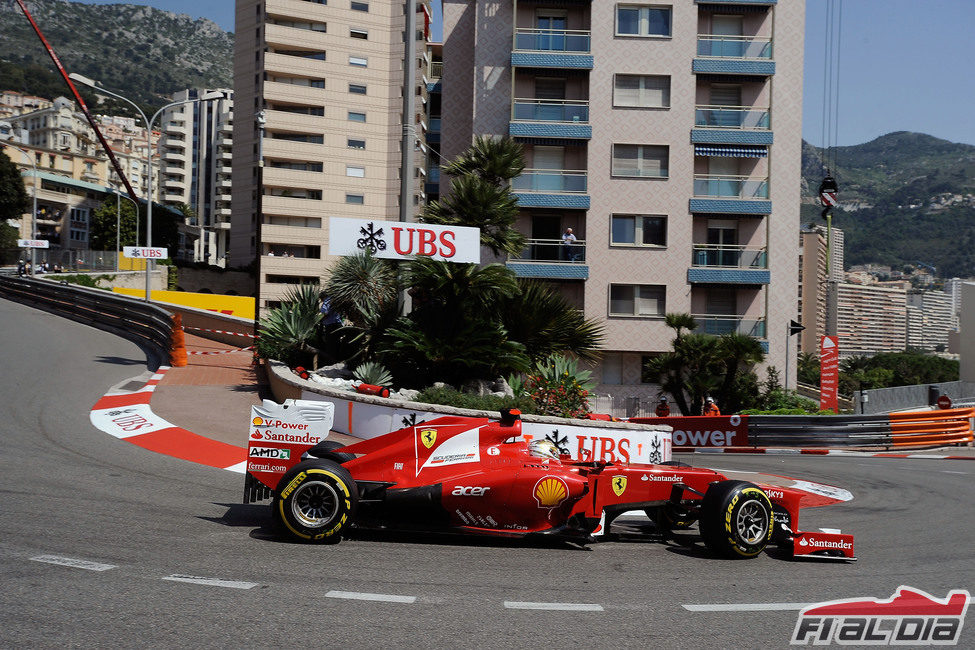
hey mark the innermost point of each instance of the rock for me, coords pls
(335, 371)
(405, 394)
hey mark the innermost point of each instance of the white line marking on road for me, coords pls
(356, 595)
(951, 471)
(745, 607)
(568, 607)
(71, 562)
(211, 582)
(240, 467)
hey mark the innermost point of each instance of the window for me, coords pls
(359, 61)
(355, 199)
(355, 172)
(299, 166)
(355, 144)
(357, 117)
(359, 33)
(357, 89)
(639, 230)
(314, 195)
(640, 160)
(304, 54)
(299, 24)
(642, 20)
(299, 137)
(644, 91)
(360, 6)
(637, 300)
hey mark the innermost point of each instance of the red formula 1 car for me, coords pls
(478, 476)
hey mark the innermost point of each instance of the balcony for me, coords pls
(550, 118)
(737, 55)
(551, 188)
(551, 48)
(726, 264)
(721, 324)
(174, 156)
(730, 194)
(731, 125)
(176, 127)
(551, 259)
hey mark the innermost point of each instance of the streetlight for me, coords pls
(74, 76)
(33, 212)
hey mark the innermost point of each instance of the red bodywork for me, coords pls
(477, 476)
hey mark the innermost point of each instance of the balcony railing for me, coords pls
(739, 187)
(552, 250)
(734, 47)
(552, 40)
(732, 117)
(551, 110)
(436, 69)
(720, 324)
(550, 180)
(724, 256)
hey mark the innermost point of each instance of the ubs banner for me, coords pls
(704, 431)
(397, 240)
(829, 377)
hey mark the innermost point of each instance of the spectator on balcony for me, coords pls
(568, 245)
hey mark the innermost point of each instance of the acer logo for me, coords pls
(463, 491)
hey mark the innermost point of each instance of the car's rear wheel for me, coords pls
(736, 519)
(316, 501)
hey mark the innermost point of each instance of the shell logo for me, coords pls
(550, 491)
(258, 422)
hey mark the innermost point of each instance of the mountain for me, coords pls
(904, 198)
(142, 53)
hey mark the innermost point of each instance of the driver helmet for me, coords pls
(543, 449)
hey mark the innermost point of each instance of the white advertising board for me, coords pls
(398, 240)
(144, 253)
(33, 243)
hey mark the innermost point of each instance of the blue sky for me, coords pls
(904, 65)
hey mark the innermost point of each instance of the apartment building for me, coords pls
(195, 170)
(930, 316)
(666, 135)
(813, 289)
(322, 83)
(871, 319)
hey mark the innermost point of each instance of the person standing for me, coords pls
(568, 244)
(710, 408)
(663, 408)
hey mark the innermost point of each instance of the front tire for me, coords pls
(736, 519)
(315, 501)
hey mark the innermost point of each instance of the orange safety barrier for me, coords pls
(941, 427)
(177, 355)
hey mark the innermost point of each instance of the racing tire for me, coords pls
(315, 501)
(736, 519)
(326, 449)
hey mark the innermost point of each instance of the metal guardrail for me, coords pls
(146, 324)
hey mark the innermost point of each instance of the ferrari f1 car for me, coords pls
(482, 477)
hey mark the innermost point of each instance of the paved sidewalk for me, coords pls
(212, 395)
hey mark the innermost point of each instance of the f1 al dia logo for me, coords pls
(909, 617)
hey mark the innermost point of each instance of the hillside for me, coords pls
(904, 198)
(140, 52)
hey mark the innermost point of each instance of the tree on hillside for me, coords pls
(480, 194)
(103, 224)
(14, 200)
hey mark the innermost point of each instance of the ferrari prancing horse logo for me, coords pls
(619, 485)
(428, 436)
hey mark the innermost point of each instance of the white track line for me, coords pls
(385, 598)
(73, 563)
(745, 607)
(211, 582)
(568, 607)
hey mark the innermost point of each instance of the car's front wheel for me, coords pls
(316, 501)
(736, 519)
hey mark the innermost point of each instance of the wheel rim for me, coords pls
(315, 504)
(752, 522)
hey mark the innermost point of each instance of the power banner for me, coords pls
(396, 240)
(704, 431)
(829, 377)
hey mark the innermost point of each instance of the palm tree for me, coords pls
(738, 352)
(364, 290)
(480, 195)
(290, 332)
(546, 323)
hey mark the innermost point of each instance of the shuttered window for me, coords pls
(645, 91)
(640, 160)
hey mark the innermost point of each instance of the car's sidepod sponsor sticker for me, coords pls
(461, 448)
(619, 485)
(550, 491)
(428, 437)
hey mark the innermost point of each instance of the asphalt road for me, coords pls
(106, 544)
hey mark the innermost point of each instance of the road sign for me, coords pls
(33, 243)
(795, 327)
(944, 402)
(144, 253)
(828, 199)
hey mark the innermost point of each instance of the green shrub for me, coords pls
(559, 388)
(452, 397)
(372, 372)
(84, 280)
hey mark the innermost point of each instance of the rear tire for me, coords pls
(736, 519)
(315, 501)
